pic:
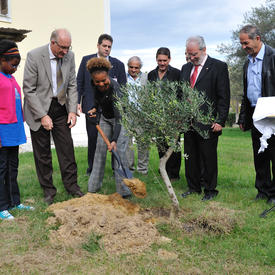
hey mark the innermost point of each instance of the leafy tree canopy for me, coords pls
(264, 18)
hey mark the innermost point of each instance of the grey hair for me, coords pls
(251, 30)
(135, 58)
(56, 34)
(198, 40)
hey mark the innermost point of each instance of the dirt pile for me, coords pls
(117, 221)
(215, 219)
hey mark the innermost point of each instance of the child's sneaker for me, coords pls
(6, 215)
(24, 207)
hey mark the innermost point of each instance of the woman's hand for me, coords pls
(92, 112)
(112, 146)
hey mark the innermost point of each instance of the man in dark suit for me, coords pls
(165, 72)
(85, 92)
(50, 106)
(210, 77)
(258, 81)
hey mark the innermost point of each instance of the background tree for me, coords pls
(264, 18)
(163, 110)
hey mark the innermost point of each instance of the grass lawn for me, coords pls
(249, 248)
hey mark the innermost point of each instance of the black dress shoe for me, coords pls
(208, 197)
(77, 194)
(260, 196)
(271, 201)
(189, 192)
(48, 200)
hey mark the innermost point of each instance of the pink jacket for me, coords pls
(7, 99)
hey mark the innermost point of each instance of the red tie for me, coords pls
(194, 76)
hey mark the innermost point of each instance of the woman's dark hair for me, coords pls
(98, 64)
(9, 50)
(164, 51)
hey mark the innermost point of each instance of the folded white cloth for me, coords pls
(264, 119)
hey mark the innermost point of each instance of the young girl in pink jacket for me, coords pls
(12, 132)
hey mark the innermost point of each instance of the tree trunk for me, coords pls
(162, 169)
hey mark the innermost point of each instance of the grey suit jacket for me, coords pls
(37, 85)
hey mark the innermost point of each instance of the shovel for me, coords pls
(264, 213)
(137, 187)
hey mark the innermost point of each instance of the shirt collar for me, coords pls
(107, 57)
(204, 60)
(51, 53)
(6, 75)
(260, 55)
(129, 76)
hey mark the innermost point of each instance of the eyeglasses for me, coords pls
(63, 47)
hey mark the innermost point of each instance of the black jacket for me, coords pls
(105, 103)
(172, 74)
(84, 80)
(268, 86)
(213, 81)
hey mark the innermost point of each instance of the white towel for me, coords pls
(264, 119)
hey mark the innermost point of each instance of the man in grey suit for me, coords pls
(137, 78)
(50, 106)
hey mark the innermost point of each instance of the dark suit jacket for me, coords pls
(268, 86)
(213, 81)
(117, 72)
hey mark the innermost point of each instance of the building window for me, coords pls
(5, 10)
(4, 7)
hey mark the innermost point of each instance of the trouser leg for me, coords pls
(65, 149)
(4, 188)
(43, 160)
(261, 163)
(122, 145)
(92, 139)
(192, 162)
(143, 158)
(12, 175)
(130, 152)
(97, 175)
(208, 150)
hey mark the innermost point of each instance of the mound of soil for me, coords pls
(215, 219)
(117, 221)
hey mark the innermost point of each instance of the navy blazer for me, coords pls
(84, 88)
(213, 81)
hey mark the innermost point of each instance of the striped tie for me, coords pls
(194, 76)
(59, 77)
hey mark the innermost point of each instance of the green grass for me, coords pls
(248, 249)
(93, 243)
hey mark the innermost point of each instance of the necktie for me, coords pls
(194, 76)
(59, 77)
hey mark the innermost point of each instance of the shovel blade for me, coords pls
(124, 172)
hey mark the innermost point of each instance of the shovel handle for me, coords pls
(106, 140)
